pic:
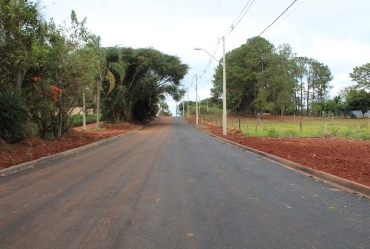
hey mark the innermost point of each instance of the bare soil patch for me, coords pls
(349, 159)
(35, 148)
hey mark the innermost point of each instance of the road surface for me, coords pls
(171, 186)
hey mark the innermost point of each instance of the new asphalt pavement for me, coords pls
(172, 186)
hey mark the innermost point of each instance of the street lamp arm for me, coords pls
(207, 53)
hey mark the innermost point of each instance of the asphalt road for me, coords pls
(171, 186)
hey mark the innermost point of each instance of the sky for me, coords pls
(334, 32)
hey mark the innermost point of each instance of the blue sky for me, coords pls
(336, 33)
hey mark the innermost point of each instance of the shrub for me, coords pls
(272, 133)
(13, 116)
(290, 133)
(348, 133)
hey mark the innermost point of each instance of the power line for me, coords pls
(277, 18)
(232, 27)
(210, 60)
(239, 18)
(285, 17)
(207, 82)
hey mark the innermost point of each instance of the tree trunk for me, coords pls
(83, 110)
(301, 98)
(97, 108)
(18, 78)
(282, 113)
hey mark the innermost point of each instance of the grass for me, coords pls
(298, 126)
(77, 119)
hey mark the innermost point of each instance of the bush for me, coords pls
(348, 134)
(13, 116)
(78, 119)
(272, 133)
(290, 133)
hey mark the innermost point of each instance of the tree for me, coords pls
(13, 116)
(22, 34)
(358, 100)
(361, 75)
(244, 65)
(278, 80)
(69, 70)
(300, 71)
(147, 74)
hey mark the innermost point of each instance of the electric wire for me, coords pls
(239, 18)
(278, 17)
(210, 60)
(285, 18)
(207, 82)
(232, 25)
(230, 29)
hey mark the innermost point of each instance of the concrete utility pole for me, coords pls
(224, 110)
(188, 102)
(224, 115)
(183, 109)
(196, 99)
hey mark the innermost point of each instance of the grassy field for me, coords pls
(271, 126)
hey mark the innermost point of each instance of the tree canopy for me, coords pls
(48, 69)
(262, 77)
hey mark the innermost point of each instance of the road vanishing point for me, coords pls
(171, 186)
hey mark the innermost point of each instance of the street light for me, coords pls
(224, 123)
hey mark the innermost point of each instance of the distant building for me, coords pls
(358, 113)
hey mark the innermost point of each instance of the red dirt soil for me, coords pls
(35, 148)
(349, 159)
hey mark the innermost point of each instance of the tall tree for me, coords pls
(300, 72)
(22, 33)
(148, 73)
(361, 75)
(358, 100)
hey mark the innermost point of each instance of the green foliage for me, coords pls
(291, 133)
(77, 119)
(57, 66)
(21, 34)
(13, 116)
(272, 133)
(261, 77)
(361, 75)
(147, 74)
(357, 99)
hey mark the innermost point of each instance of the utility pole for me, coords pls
(224, 123)
(224, 110)
(183, 110)
(196, 99)
(188, 102)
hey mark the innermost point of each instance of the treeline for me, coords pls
(47, 69)
(264, 78)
